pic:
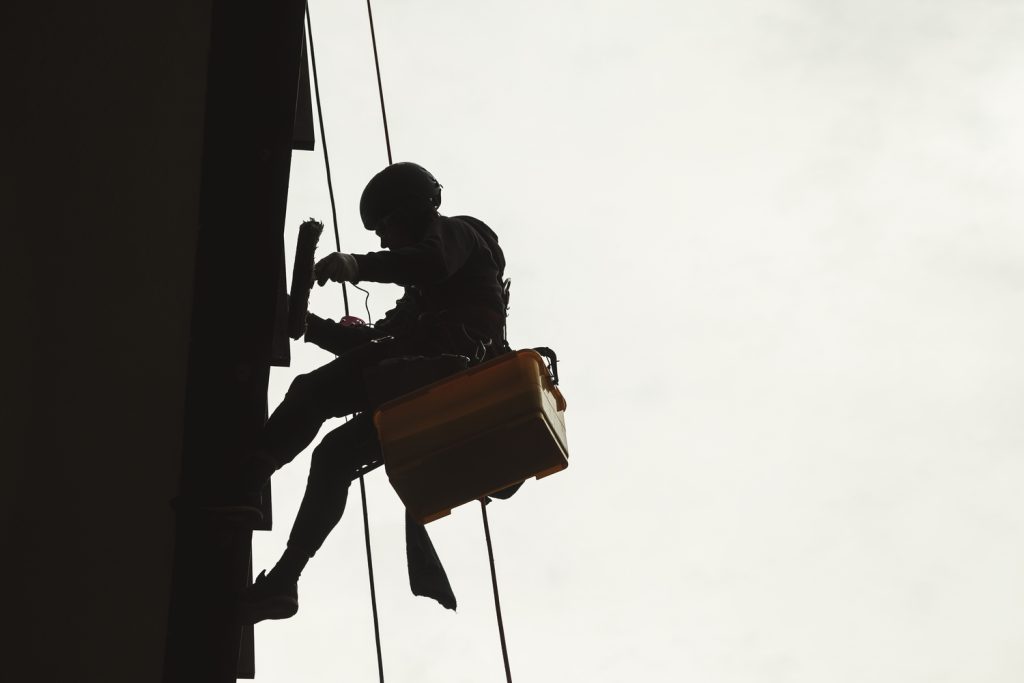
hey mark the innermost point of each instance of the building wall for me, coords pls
(104, 184)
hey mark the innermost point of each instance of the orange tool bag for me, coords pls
(474, 433)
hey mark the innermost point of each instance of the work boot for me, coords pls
(269, 597)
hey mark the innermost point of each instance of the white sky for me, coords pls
(778, 247)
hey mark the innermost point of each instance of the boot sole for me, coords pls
(275, 607)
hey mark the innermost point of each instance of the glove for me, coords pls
(337, 267)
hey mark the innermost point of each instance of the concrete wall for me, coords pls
(101, 203)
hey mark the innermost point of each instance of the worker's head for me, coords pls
(399, 204)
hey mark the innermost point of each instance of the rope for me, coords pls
(483, 504)
(344, 290)
(373, 589)
(494, 585)
(323, 143)
(380, 87)
(337, 239)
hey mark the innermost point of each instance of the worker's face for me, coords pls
(394, 233)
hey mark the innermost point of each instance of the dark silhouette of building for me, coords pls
(144, 202)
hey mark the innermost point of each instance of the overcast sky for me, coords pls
(778, 246)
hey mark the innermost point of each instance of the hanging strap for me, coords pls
(344, 289)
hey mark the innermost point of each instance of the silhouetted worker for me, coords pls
(452, 269)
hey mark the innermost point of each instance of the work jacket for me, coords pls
(453, 299)
(454, 274)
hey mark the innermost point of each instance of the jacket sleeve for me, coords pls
(445, 248)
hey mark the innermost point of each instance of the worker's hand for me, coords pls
(338, 267)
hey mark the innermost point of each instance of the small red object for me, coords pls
(352, 321)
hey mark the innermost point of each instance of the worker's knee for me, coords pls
(305, 389)
(333, 461)
(325, 394)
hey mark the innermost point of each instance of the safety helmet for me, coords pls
(405, 187)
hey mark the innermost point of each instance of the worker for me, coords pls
(452, 270)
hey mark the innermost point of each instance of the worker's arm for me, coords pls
(339, 338)
(447, 245)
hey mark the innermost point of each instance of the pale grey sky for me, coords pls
(778, 246)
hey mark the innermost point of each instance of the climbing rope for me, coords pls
(337, 242)
(380, 86)
(337, 239)
(494, 585)
(362, 487)
(323, 143)
(483, 503)
(373, 588)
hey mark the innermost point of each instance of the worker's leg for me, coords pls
(333, 390)
(336, 461)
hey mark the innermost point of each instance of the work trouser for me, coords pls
(338, 459)
(336, 389)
